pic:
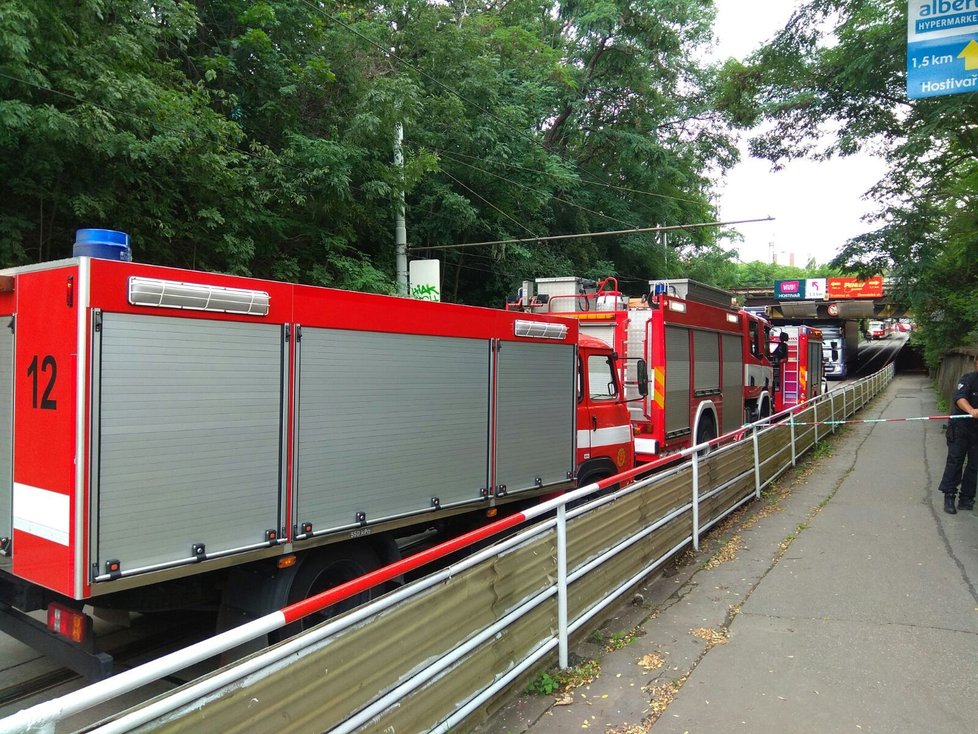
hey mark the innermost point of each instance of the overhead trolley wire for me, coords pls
(450, 156)
(489, 203)
(581, 235)
(599, 184)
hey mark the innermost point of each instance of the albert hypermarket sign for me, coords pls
(942, 47)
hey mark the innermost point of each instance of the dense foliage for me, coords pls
(833, 82)
(256, 137)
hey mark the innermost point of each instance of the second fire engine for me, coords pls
(705, 362)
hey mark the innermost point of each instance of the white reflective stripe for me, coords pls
(604, 436)
(42, 512)
(646, 446)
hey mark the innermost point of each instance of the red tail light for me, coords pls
(67, 622)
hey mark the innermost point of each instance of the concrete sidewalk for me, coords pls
(846, 600)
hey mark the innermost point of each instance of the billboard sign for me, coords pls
(942, 47)
(815, 289)
(789, 290)
(854, 288)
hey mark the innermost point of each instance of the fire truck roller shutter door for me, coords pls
(817, 376)
(677, 379)
(537, 380)
(189, 436)
(733, 383)
(706, 346)
(386, 422)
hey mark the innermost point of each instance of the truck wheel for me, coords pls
(595, 476)
(706, 431)
(765, 409)
(324, 569)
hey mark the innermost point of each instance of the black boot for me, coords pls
(949, 504)
(966, 503)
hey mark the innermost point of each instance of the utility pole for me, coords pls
(400, 228)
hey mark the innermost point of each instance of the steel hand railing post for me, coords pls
(562, 654)
(696, 500)
(794, 452)
(757, 465)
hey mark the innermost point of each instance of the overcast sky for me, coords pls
(816, 206)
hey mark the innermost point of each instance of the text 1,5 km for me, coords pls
(931, 60)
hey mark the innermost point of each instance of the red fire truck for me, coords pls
(707, 362)
(166, 434)
(799, 372)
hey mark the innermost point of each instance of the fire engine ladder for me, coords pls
(635, 348)
(789, 376)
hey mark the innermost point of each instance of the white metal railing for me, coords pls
(41, 718)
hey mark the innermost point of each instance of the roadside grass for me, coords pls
(554, 680)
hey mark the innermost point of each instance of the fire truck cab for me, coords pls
(604, 432)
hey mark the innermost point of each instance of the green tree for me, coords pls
(566, 118)
(833, 82)
(255, 137)
(99, 128)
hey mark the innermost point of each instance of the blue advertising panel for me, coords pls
(942, 47)
(789, 290)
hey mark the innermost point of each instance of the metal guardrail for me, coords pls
(431, 655)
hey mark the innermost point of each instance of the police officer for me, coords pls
(962, 442)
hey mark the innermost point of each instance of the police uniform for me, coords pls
(962, 442)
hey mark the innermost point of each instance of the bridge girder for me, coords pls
(881, 308)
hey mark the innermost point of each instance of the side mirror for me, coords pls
(643, 378)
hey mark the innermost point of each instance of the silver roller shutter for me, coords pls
(535, 415)
(733, 384)
(815, 369)
(387, 422)
(188, 437)
(677, 379)
(707, 354)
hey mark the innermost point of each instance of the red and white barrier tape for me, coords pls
(789, 422)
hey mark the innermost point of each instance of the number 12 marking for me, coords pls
(47, 364)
